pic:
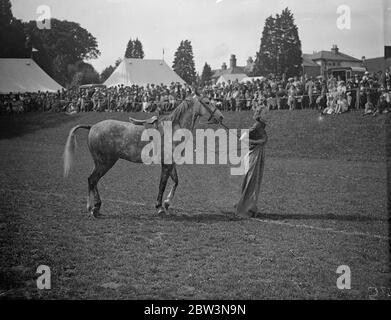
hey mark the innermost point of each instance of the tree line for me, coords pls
(280, 49)
(61, 51)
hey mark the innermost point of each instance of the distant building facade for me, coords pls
(375, 65)
(323, 62)
(318, 63)
(233, 68)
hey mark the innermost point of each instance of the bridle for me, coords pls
(211, 112)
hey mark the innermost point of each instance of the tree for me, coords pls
(280, 49)
(129, 49)
(41, 56)
(134, 49)
(66, 43)
(138, 51)
(183, 63)
(265, 61)
(292, 59)
(6, 15)
(107, 72)
(82, 73)
(12, 37)
(206, 75)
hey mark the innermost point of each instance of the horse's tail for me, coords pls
(70, 148)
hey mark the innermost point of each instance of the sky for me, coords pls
(216, 28)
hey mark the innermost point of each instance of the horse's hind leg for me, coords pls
(174, 177)
(100, 169)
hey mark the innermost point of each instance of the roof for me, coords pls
(24, 75)
(377, 64)
(142, 72)
(234, 70)
(307, 61)
(231, 77)
(330, 55)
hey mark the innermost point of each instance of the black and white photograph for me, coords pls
(215, 153)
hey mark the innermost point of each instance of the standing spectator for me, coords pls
(309, 89)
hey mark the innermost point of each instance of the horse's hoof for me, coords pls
(161, 211)
(95, 213)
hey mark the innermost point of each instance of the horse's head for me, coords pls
(205, 109)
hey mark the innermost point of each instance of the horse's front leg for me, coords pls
(162, 187)
(174, 177)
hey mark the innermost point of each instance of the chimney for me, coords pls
(232, 61)
(224, 66)
(335, 49)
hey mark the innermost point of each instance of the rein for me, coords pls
(212, 112)
(220, 122)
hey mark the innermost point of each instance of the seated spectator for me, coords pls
(384, 102)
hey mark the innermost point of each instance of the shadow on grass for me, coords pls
(16, 125)
(208, 216)
(330, 216)
(176, 215)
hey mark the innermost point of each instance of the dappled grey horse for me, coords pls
(110, 140)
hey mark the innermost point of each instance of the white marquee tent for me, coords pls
(142, 72)
(231, 77)
(24, 75)
(251, 79)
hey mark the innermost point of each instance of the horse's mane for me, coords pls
(178, 112)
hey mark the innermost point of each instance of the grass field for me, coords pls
(323, 202)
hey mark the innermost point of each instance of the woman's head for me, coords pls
(259, 115)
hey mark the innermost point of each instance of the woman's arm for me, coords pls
(258, 142)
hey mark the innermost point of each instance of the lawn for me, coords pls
(323, 202)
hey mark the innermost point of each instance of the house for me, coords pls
(233, 68)
(375, 65)
(310, 68)
(327, 60)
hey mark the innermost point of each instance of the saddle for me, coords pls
(138, 122)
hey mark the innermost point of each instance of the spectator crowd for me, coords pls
(371, 92)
